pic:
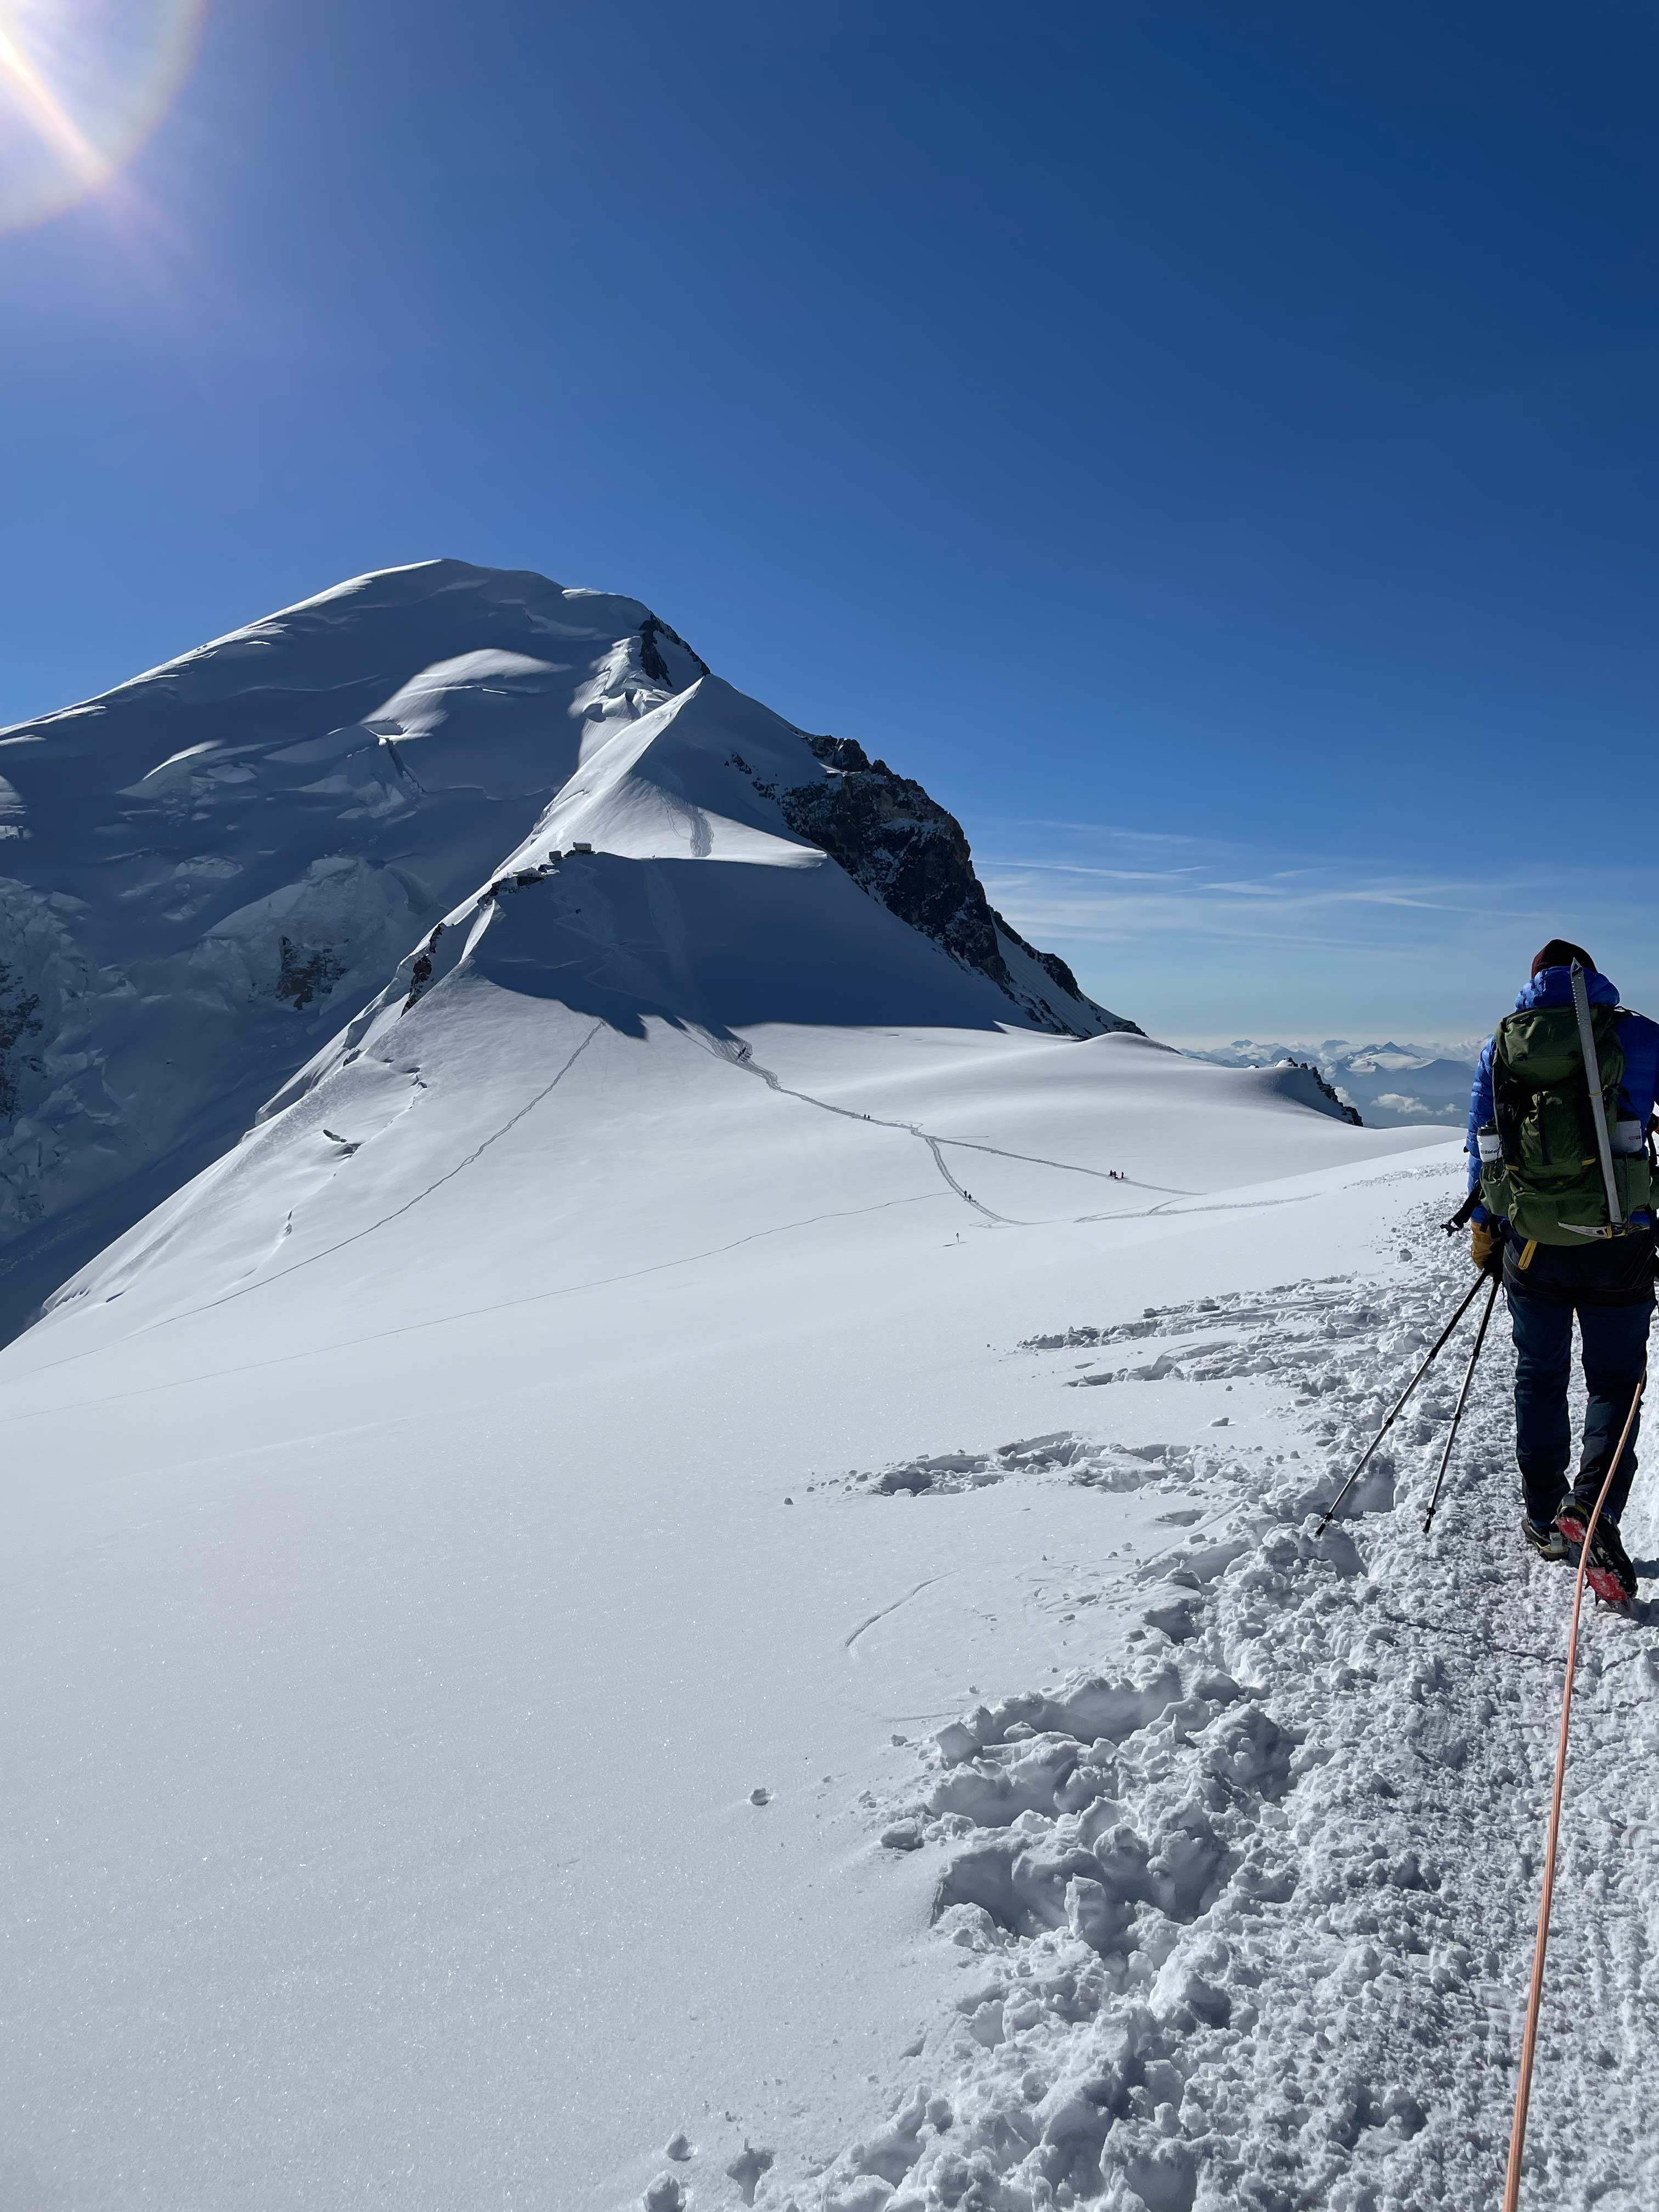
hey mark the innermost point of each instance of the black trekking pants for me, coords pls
(1610, 1287)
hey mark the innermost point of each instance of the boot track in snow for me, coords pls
(1249, 1923)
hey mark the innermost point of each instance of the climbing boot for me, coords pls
(1608, 1568)
(1572, 1517)
(1608, 1571)
(1549, 1543)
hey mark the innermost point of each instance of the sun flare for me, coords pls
(82, 84)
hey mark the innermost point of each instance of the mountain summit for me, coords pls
(456, 1566)
(206, 871)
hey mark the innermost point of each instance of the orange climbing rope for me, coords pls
(1535, 1995)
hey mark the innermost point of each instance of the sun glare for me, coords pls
(82, 84)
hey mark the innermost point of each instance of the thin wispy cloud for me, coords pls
(1041, 825)
(1229, 937)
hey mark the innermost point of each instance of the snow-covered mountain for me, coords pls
(684, 1579)
(204, 871)
(1392, 1085)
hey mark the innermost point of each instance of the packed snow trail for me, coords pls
(737, 1053)
(336, 1619)
(1249, 1923)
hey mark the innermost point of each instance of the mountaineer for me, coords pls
(1565, 1172)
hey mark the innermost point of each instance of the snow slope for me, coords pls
(1247, 1917)
(688, 1579)
(204, 871)
(405, 1606)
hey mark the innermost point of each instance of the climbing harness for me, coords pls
(1535, 1995)
(1439, 1344)
(1462, 1400)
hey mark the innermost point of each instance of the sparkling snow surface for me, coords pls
(406, 1607)
(625, 1604)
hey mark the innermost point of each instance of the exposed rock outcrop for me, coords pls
(1339, 1104)
(904, 849)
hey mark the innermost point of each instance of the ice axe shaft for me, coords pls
(1438, 1346)
(1462, 1400)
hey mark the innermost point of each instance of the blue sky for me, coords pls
(1213, 448)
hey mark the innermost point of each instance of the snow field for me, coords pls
(686, 1577)
(1248, 1922)
(403, 1609)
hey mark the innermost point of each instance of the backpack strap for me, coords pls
(1509, 1098)
(1592, 1084)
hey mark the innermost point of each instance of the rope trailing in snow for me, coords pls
(1535, 1995)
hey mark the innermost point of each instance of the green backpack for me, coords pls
(1549, 1180)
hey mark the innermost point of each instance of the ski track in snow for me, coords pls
(1250, 1923)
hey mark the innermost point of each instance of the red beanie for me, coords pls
(1558, 953)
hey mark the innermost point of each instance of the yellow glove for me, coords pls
(1486, 1245)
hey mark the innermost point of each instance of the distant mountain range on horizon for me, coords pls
(1393, 1086)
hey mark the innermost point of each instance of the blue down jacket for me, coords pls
(1638, 1040)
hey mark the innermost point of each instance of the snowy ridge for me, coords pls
(204, 872)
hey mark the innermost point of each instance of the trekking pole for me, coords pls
(1462, 1399)
(1535, 1993)
(1439, 1344)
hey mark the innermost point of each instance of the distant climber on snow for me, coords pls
(1563, 1170)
